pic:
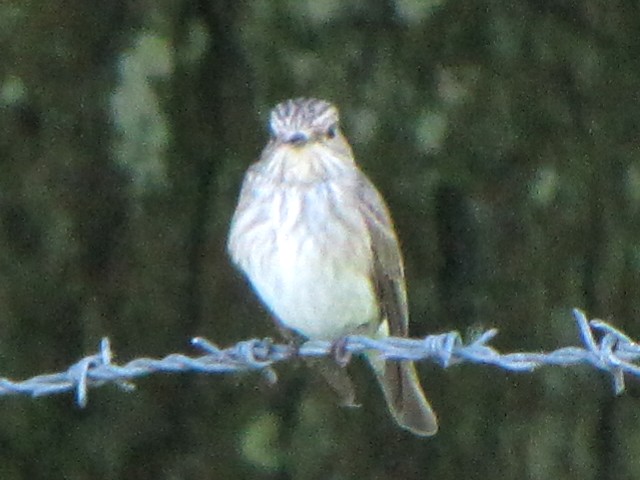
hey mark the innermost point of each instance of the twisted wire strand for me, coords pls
(603, 347)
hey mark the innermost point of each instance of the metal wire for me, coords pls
(603, 347)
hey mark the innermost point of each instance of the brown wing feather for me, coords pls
(388, 270)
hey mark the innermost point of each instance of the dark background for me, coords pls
(504, 136)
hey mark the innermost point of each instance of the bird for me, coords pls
(316, 241)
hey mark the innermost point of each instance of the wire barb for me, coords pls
(603, 347)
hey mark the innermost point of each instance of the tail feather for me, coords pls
(404, 396)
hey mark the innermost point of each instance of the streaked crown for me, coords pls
(302, 119)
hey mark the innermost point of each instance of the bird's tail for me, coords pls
(405, 399)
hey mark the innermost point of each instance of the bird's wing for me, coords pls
(388, 271)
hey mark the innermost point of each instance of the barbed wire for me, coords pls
(603, 347)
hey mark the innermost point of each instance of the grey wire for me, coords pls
(603, 347)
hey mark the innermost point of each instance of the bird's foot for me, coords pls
(339, 351)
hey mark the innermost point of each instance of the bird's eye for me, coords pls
(332, 131)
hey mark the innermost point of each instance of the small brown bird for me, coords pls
(316, 241)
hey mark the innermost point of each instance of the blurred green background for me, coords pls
(504, 136)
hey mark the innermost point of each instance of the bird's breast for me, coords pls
(310, 260)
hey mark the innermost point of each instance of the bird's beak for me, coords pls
(297, 139)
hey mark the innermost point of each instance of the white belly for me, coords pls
(320, 296)
(316, 277)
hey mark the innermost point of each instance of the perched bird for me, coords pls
(316, 241)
